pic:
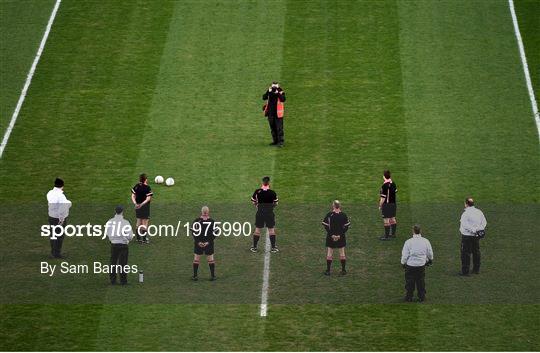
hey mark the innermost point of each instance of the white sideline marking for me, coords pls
(29, 79)
(266, 276)
(525, 66)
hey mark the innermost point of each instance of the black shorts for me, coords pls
(388, 210)
(265, 219)
(143, 212)
(341, 243)
(207, 250)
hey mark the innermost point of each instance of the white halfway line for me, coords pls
(525, 66)
(266, 266)
(29, 79)
(266, 277)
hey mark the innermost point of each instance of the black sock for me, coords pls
(137, 233)
(142, 233)
(255, 240)
(273, 240)
(386, 231)
(343, 262)
(195, 268)
(212, 266)
(393, 227)
(328, 264)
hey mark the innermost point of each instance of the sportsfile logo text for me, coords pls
(224, 229)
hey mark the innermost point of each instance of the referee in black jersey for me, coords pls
(265, 200)
(203, 231)
(141, 195)
(336, 223)
(387, 206)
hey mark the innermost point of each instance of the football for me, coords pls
(169, 182)
(159, 179)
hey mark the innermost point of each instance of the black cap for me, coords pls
(266, 179)
(58, 183)
(119, 209)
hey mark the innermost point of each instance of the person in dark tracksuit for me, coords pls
(204, 232)
(336, 223)
(119, 231)
(472, 221)
(415, 256)
(274, 95)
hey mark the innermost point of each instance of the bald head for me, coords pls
(205, 211)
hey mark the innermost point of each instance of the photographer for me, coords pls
(274, 110)
(415, 256)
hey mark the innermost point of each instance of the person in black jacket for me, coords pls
(336, 223)
(273, 95)
(203, 231)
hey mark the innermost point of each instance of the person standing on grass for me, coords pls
(265, 199)
(119, 231)
(141, 196)
(336, 223)
(274, 110)
(472, 228)
(388, 206)
(203, 231)
(415, 256)
(58, 211)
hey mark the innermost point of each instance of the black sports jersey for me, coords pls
(204, 230)
(388, 192)
(336, 223)
(141, 191)
(264, 198)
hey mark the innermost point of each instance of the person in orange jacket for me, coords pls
(273, 110)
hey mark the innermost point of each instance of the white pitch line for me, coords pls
(525, 66)
(266, 276)
(29, 78)
(266, 266)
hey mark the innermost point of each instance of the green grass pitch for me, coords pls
(432, 90)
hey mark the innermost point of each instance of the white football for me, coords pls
(159, 179)
(169, 182)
